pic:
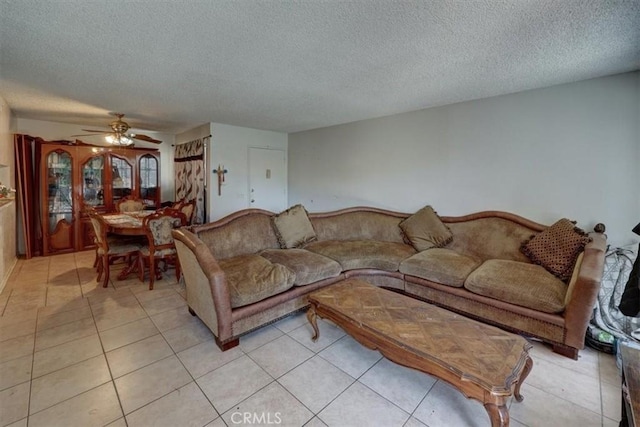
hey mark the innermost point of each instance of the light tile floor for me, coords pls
(75, 354)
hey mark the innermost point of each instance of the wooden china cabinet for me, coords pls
(74, 176)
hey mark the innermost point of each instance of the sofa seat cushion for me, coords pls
(308, 266)
(519, 283)
(442, 266)
(252, 278)
(354, 254)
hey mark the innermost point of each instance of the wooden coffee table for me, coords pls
(481, 361)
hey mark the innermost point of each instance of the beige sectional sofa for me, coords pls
(238, 278)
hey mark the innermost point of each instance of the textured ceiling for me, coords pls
(291, 66)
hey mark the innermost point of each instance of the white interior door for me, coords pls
(267, 179)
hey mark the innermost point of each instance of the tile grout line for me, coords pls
(113, 381)
(565, 400)
(64, 367)
(257, 364)
(422, 400)
(72, 397)
(600, 393)
(7, 302)
(164, 358)
(195, 381)
(33, 357)
(296, 366)
(147, 316)
(325, 406)
(33, 360)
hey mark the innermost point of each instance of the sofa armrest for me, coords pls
(579, 308)
(207, 291)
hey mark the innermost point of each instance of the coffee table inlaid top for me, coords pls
(479, 353)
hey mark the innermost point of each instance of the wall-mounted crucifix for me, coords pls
(221, 171)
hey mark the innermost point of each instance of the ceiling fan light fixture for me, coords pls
(118, 134)
(119, 140)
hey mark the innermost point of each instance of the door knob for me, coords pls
(253, 200)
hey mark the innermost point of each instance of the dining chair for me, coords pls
(188, 209)
(161, 247)
(88, 210)
(109, 249)
(178, 204)
(127, 204)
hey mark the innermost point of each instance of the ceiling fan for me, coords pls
(118, 134)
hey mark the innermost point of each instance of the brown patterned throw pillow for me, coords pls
(425, 230)
(293, 228)
(557, 248)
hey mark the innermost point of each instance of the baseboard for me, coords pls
(5, 279)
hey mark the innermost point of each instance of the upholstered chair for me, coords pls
(109, 249)
(158, 227)
(88, 210)
(188, 209)
(129, 205)
(178, 204)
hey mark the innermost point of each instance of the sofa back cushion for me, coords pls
(557, 248)
(352, 224)
(356, 254)
(293, 228)
(489, 238)
(425, 230)
(249, 233)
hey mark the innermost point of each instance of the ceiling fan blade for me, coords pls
(89, 134)
(145, 138)
(98, 131)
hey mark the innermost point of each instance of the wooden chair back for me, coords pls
(158, 227)
(188, 209)
(178, 204)
(127, 204)
(100, 228)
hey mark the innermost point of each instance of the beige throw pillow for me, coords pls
(425, 230)
(293, 227)
(557, 248)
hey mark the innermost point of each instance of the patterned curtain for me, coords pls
(190, 175)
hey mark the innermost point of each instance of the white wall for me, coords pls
(56, 131)
(230, 148)
(7, 164)
(193, 134)
(8, 231)
(566, 151)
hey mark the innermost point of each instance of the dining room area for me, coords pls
(77, 197)
(141, 238)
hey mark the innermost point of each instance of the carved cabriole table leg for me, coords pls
(527, 368)
(499, 415)
(311, 316)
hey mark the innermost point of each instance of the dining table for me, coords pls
(127, 224)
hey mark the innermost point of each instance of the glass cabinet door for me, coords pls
(59, 172)
(59, 204)
(148, 172)
(122, 185)
(93, 178)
